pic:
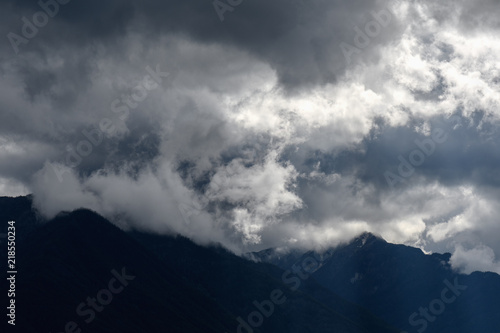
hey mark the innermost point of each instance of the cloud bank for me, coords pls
(291, 123)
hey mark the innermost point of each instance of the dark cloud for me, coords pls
(275, 126)
(300, 39)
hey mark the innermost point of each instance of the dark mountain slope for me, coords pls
(407, 288)
(19, 209)
(236, 283)
(174, 284)
(76, 256)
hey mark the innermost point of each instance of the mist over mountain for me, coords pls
(80, 270)
(410, 289)
(225, 165)
(291, 124)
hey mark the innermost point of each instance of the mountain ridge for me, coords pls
(198, 289)
(395, 281)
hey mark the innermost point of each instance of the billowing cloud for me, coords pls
(292, 123)
(480, 258)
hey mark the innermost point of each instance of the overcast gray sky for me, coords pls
(254, 123)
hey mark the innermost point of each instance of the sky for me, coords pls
(256, 124)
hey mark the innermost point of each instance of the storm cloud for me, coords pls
(296, 123)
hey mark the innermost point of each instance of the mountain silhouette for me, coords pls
(80, 272)
(404, 286)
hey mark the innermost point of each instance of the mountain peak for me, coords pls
(366, 237)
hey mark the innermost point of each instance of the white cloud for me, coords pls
(480, 258)
(11, 188)
(152, 202)
(262, 193)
